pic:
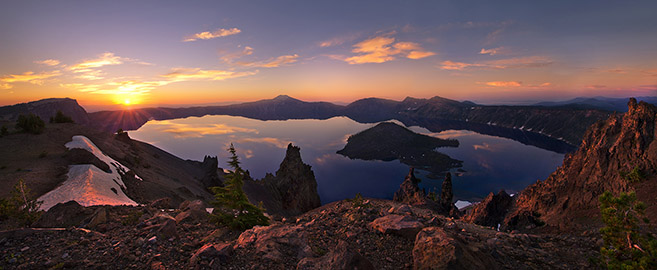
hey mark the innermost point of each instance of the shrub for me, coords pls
(231, 206)
(61, 118)
(4, 131)
(30, 123)
(625, 245)
(43, 154)
(20, 206)
(634, 176)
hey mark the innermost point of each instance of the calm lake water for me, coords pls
(490, 163)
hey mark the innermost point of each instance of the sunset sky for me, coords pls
(151, 53)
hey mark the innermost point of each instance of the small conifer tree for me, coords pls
(60, 117)
(625, 245)
(231, 205)
(30, 123)
(20, 206)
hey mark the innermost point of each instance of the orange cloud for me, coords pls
(215, 34)
(516, 62)
(48, 62)
(29, 76)
(337, 41)
(504, 84)
(187, 74)
(105, 59)
(383, 49)
(273, 62)
(230, 57)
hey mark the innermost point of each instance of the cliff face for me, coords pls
(568, 198)
(291, 191)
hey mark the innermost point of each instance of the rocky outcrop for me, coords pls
(568, 198)
(66, 214)
(291, 191)
(275, 242)
(410, 193)
(210, 166)
(491, 211)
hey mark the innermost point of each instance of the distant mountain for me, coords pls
(45, 109)
(542, 126)
(600, 103)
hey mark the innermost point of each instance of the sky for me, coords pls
(118, 54)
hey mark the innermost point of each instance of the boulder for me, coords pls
(99, 217)
(340, 257)
(193, 211)
(162, 224)
(272, 242)
(435, 249)
(405, 226)
(66, 214)
(162, 203)
(221, 251)
(491, 211)
(403, 209)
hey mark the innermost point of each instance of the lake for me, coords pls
(490, 163)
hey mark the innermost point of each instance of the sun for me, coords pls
(126, 102)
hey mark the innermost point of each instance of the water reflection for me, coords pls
(490, 163)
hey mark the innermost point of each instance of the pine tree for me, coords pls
(21, 206)
(626, 246)
(231, 205)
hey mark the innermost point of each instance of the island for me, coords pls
(388, 141)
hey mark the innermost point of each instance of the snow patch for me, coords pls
(87, 184)
(462, 204)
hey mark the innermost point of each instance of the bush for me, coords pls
(30, 123)
(61, 118)
(625, 245)
(20, 206)
(231, 206)
(4, 131)
(634, 176)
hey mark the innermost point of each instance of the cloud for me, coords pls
(228, 58)
(516, 62)
(221, 32)
(29, 76)
(48, 62)
(91, 74)
(336, 41)
(105, 59)
(494, 51)
(5, 86)
(504, 84)
(383, 49)
(188, 74)
(596, 86)
(272, 62)
(495, 34)
(451, 65)
(127, 87)
(515, 84)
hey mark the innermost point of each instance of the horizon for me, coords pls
(149, 54)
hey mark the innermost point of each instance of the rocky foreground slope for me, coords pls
(356, 234)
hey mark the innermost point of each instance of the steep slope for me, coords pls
(568, 198)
